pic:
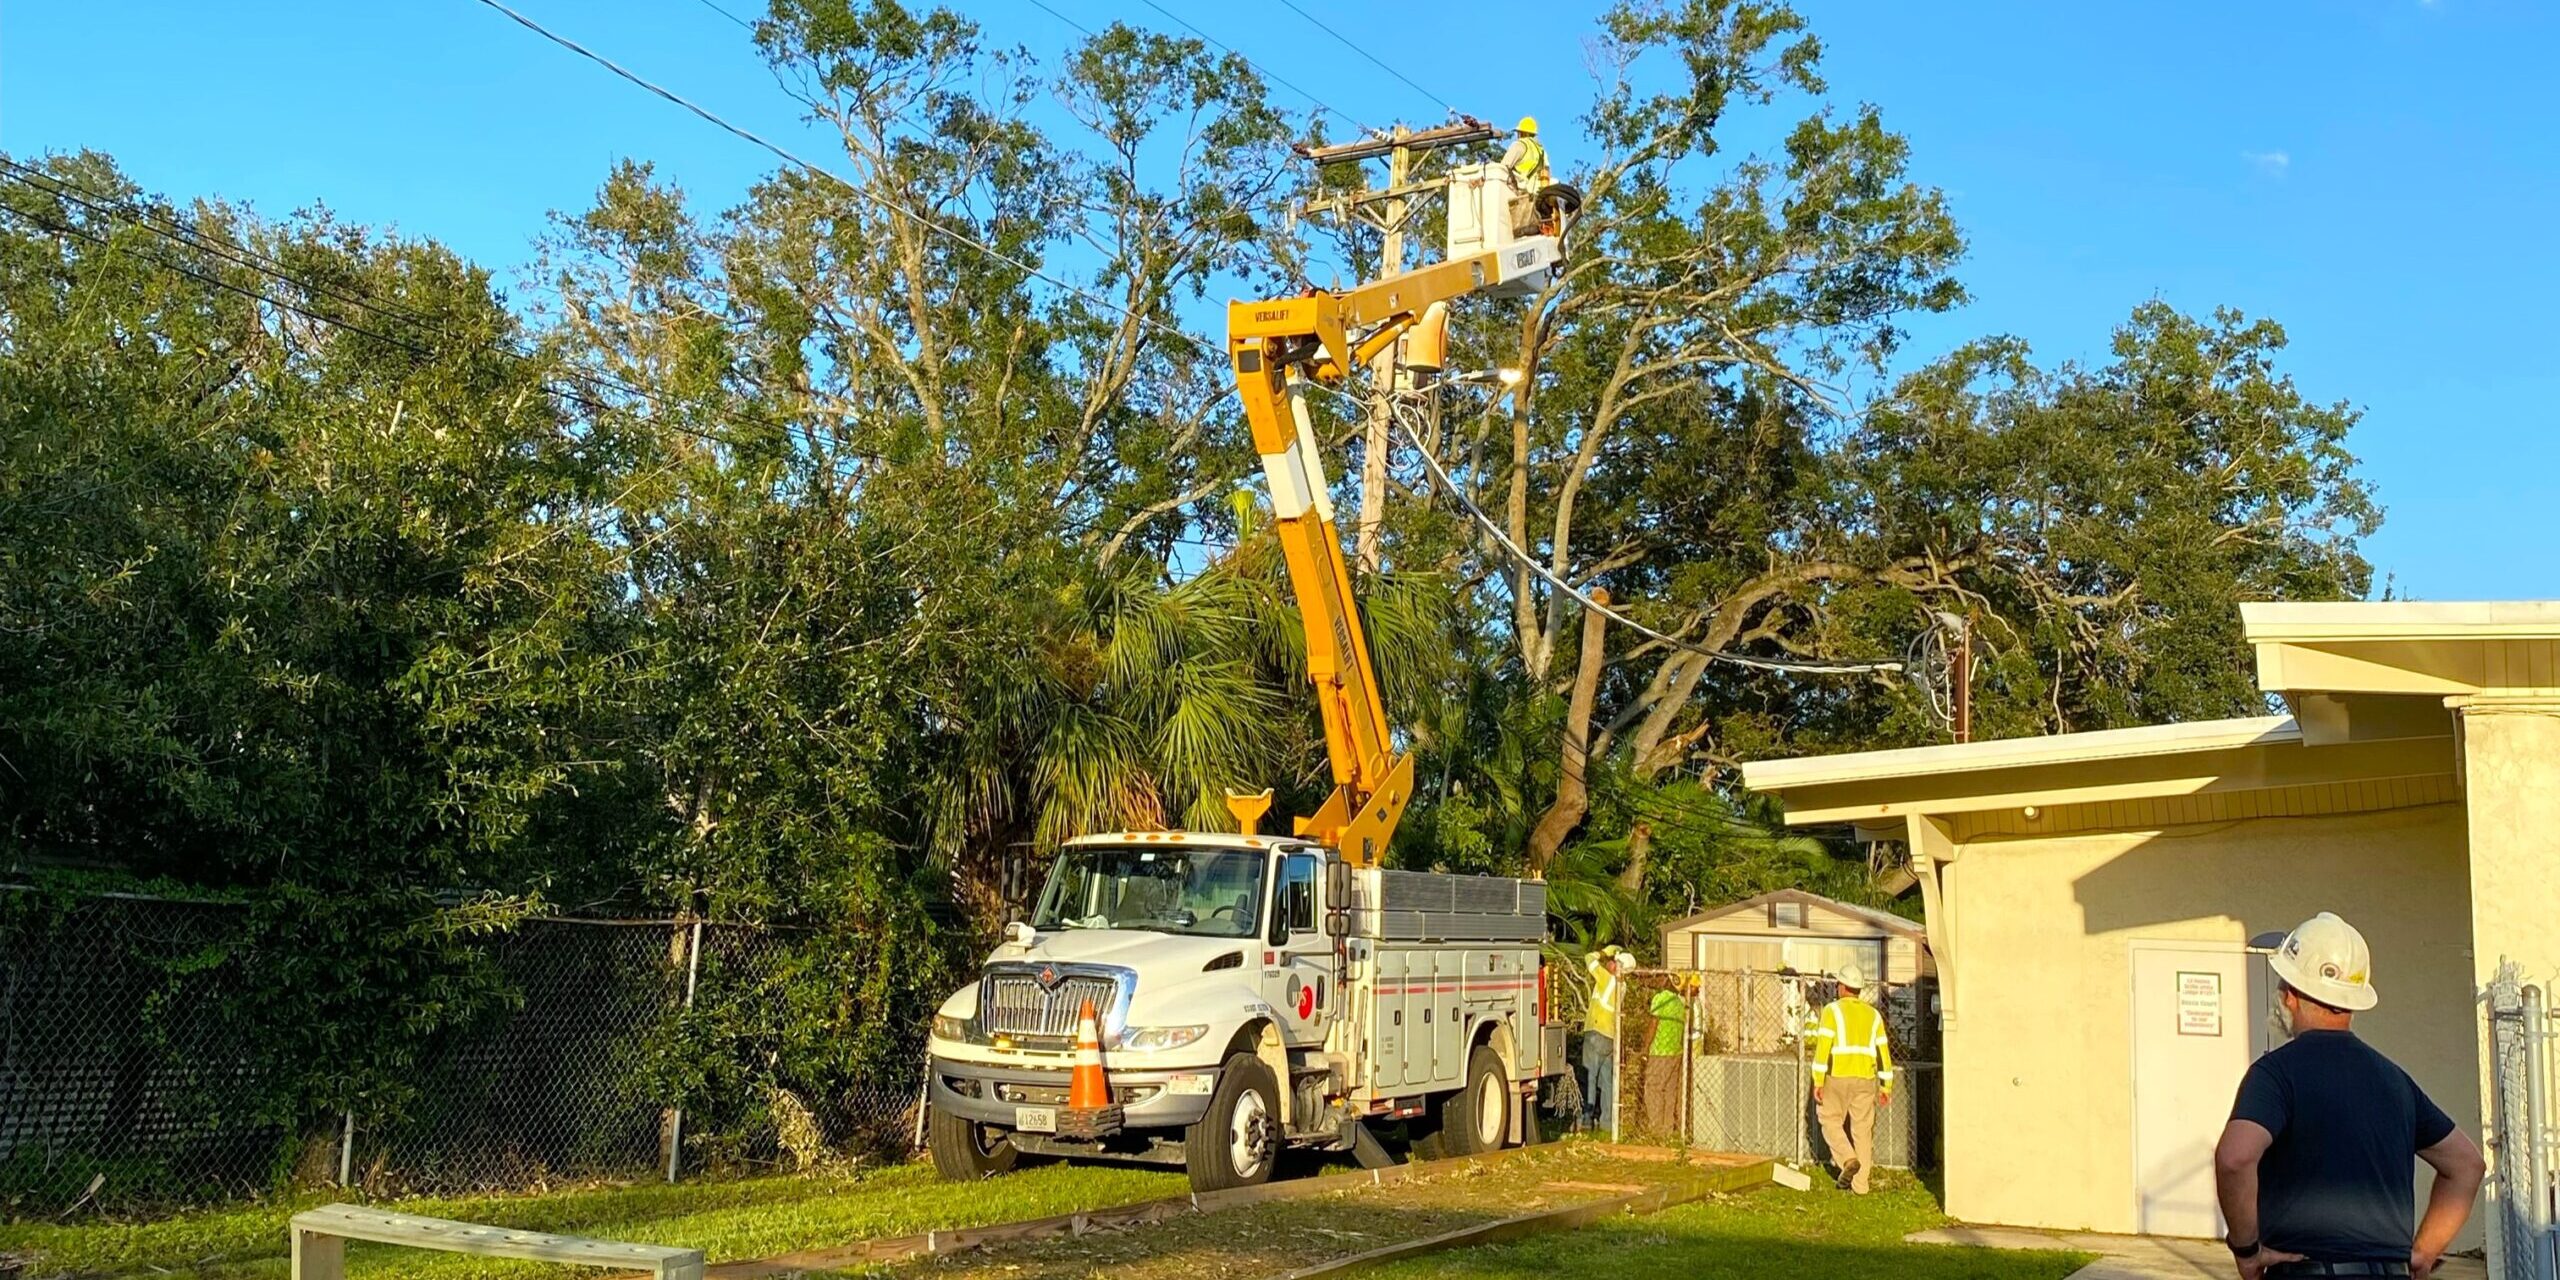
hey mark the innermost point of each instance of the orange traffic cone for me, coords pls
(1088, 1089)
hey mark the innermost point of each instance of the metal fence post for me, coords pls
(1803, 1074)
(675, 1121)
(1690, 1044)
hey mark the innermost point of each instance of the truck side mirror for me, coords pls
(1337, 899)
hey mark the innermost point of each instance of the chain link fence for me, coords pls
(2524, 1128)
(1717, 1059)
(123, 1086)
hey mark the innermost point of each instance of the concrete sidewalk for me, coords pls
(2136, 1257)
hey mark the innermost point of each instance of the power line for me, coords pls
(1265, 72)
(1044, 8)
(179, 231)
(227, 286)
(741, 132)
(714, 6)
(1373, 58)
(1524, 560)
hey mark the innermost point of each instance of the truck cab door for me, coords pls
(1298, 966)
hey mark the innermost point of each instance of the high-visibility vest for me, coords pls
(1849, 1042)
(1532, 163)
(1603, 1014)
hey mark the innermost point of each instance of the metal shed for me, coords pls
(1806, 932)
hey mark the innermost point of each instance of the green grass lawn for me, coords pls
(744, 1218)
(1772, 1232)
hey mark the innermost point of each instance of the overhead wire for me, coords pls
(1265, 72)
(1043, 7)
(1199, 344)
(179, 231)
(1494, 531)
(1355, 47)
(715, 7)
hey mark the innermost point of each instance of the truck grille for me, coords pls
(1017, 1004)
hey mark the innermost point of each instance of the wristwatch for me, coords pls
(2239, 1250)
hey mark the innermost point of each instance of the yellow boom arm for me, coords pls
(1276, 347)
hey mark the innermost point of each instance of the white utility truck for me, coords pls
(1254, 992)
(1258, 992)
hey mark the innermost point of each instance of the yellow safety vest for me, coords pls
(1849, 1042)
(1533, 162)
(1603, 1014)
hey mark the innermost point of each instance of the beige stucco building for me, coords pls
(2089, 896)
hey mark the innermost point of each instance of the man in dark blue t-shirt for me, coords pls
(2314, 1167)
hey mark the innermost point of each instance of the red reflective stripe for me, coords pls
(1485, 984)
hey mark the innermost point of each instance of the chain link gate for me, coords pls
(2524, 1132)
(1740, 1081)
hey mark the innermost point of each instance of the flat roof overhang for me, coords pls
(1877, 789)
(2501, 648)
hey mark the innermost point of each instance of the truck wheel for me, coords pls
(1477, 1118)
(965, 1151)
(1238, 1141)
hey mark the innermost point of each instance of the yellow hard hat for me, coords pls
(1529, 125)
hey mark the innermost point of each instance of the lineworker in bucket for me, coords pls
(1526, 159)
(1525, 162)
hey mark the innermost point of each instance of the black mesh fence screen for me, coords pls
(123, 1085)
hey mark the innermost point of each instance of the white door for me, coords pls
(2194, 1033)
(1297, 972)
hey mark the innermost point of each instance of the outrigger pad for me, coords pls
(1365, 1147)
(1090, 1122)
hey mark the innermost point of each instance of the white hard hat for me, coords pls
(1852, 977)
(2326, 959)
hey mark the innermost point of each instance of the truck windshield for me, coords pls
(1203, 892)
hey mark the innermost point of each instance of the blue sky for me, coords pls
(2381, 177)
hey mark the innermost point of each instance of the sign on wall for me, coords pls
(2199, 1003)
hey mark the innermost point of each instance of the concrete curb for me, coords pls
(1581, 1215)
(904, 1248)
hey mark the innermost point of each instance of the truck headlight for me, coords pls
(946, 1027)
(1156, 1039)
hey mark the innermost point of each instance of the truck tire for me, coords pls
(1238, 1142)
(1477, 1118)
(965, 1151)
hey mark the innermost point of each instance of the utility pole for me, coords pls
(1960, 679)
(1388, 209)
(1382, 371)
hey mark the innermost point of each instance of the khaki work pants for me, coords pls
(1848, 1111)
(1662, 1094)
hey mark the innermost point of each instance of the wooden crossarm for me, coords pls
(320, 1236)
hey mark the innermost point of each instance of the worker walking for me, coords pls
(2314, 1163)
(1666, 1056)
(1852, 1076)
(1600, 1034)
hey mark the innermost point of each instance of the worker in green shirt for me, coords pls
(1662, 1069)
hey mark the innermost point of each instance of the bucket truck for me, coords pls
(1260, 992)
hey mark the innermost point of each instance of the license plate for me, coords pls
(1191, 1085)
(1036, 1119)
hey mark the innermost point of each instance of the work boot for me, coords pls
(1849, 1176)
